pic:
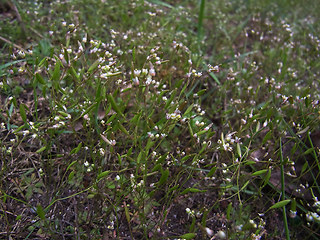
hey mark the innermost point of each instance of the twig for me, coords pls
(13, 5)
(9, 42)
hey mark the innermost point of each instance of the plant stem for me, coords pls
(283, 193)
(200, 20)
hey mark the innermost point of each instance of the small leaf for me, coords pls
(188, 110)
(127, 213)
(310, 150)
(188, 236)
(114, 105)
(122, 128)
(23, 113)
(239, 150)
(42, 62)
(267, 178)
(71, 164)
(304, 167)
(280, 204)
(229, 211)
(41, 149)
(74, 73)
(77, 149)
(185, 158)
(192, 190)
(71, 175)
(303, 131)
(266, 137)
(212, 171)
(172, 95)
(293, 206)
(93, 66)
(40, 78)
(201, 92)
(103, 174)
(56, 71)
(258, 127)
(91, 195)
(260, 172)
(40, 212)
(66, 115)
(164, 177)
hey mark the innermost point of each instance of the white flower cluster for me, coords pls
(225, 143)
(88, 166)
(314, 216)
(176, 115)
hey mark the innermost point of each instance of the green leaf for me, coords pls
(164, 177)
(162, 3)
(192, 190)
(212, 171)
(188, 110)
(280, 204)
(303, 131)
(56, 72)
(239, 150)
(172, 95)
(215, 78)
(10, 63)
(201, 92)
(127, 213)
(40, 78)
(267, 178)
(41, 149)
(77, 149)
(122, 128)
(40, 212)
(188, 236)
(93, 66)
(103, 174)
(114, 105)
(42, 62)
(304, 167)
(71, 164)
(66, 55)
(258, 127)
(23, 113)
(71, 175)
(310, 150)
(179, 83)
(229, 211)
(185, 158)
(260, 172)
(74, 73)
(266, 137)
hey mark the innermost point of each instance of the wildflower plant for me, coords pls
(154, 119)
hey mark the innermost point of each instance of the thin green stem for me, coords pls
(283, 193)
(200, 20)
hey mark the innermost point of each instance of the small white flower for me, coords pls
(136, 81)
(292, 214)
(102, 151)
(221, 234)
(137, 72)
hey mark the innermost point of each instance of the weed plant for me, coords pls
(159, 119)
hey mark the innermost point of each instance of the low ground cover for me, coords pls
(159, 120)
